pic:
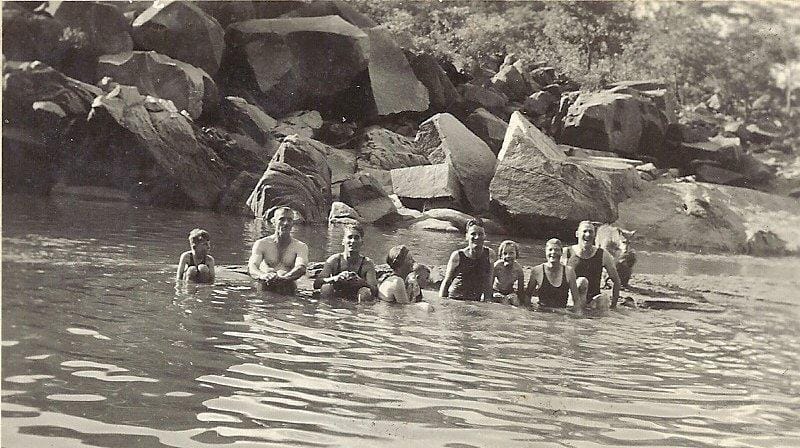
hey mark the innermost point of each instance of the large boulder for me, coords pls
(707, 217)
(305, 123)
(188, 87)
(488, 127)
(623, 177)
(475, 96)
(441, 91)
(470, 161)
(238, 151)
(383, 149)
(538, 191)
(393, 85)
(365, 194)
(284, 65)
(182, 30)
(298, 176)
(660, 93)
(342, 213)
(540, 103)
(143, 145)
(28, 36)
(43, 114)
(511, 82)
(435, 225)
(104, 28)
(615, 122)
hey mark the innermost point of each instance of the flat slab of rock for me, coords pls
(188, 87)
(435, 225)
(469, 159)
(181, 30)
(303, 123)
(537, 190)
(425, 184)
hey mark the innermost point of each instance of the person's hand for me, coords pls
(267, 277)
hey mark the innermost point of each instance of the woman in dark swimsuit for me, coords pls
(552, 281)
(349, 275)
(469, 271)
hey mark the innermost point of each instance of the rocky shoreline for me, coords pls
(241, 106)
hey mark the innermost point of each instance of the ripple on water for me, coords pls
(75, 397)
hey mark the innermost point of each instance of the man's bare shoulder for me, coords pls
(266, 241)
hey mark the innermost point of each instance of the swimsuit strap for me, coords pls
(339, 263)
(360, 265)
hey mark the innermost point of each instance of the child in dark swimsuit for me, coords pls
(552, 281)
(507, 272)
(469, 271)
(348, 275)
(196, 265)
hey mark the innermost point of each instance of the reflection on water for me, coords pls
(100, 349)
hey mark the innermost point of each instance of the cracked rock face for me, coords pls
(539, 190)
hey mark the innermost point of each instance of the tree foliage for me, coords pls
(700, 48)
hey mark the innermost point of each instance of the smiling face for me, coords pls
(352, 241)
(585, 233)
(508, 254)
(475, 236)
(200, 247)
(552, 251)
(283, 221)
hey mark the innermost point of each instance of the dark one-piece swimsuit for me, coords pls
(553, 296)
(470, 275)
(348, 290)
(591, 269)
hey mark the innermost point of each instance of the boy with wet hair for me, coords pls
(348, 274)
(196, 265)
(469, 270)
(506, 272)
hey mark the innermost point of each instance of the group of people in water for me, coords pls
(279, 260)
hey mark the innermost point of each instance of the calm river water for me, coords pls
(100, 349)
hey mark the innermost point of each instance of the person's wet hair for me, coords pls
(197, 235)
(587, 223)
(396, 256)
(355, 228)
(506, 244)
(554, 242)
(474, 222)
(280, 208)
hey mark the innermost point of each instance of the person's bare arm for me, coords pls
(210, 264)
(488, 291)
(300, 261)
(254, 263)
(611, 268)
(449, 274)
(533, 283)
(521, 285)
(572, 281)
(182, 264)
(400, 293)
(371, 277)
(326, 275)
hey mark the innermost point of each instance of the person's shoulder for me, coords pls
(333, 258)
(210, 258)
(517, 266)
(498, 263)
(185, 255)
(299, 244)
(263, 241)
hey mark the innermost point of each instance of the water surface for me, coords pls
(101, 349)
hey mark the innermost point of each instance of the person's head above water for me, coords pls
(400, 260)
(353, 238)
(199, 241)
(475, 234)
(508, 251)
(282, 219)
(585, 232)
(552, 250)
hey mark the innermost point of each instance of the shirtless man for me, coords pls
(278, 260)
(588, 262)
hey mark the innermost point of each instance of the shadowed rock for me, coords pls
(103, 26)
(615, 122)
(285, 65)
(143, 145)
(332, 8)
(182, 30)
(297, 176)
(488, 127)
(441, 92)
(471, 163)
(366, 195)
(383, 149)
(392, 82)
(188, 87)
